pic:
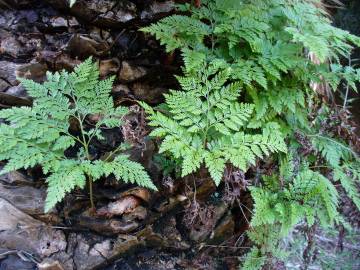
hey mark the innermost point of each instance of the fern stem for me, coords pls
(90, 180)
(88, 157)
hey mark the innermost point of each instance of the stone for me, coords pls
(9, 45)
(13, 262)
(26, 198)
(130, 73)
(16, 178)
(20, 231)
(18, 91)
(83, 253)
(89, 254)
(8, 72)
(3, 85)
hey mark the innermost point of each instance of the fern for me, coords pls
(205, 125)
(349, 175)
(39, 135)
(263, 43)
(279, 207)
(261, 47)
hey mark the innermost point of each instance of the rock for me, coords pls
(26, 198)
(20, 231)
(157, 9)
(148, 93)
(83, 253)
(13, 262)
(130, 73)
(22, 46)
(9, 45)
(18, 91)
(3, 85)
(94, 253)
(109, 66)
(65, 259)
(16, 178)
(8, 72)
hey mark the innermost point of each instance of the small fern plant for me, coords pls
(39, 135)
(205, 123)
(285, 199)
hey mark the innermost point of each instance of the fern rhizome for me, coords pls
(247, 95)
(40, 134)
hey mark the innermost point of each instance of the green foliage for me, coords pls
(254, 259)
(205, 124)
(308, 194)
(39, 135)
(246, 91)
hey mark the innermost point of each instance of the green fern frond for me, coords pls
(205, 125)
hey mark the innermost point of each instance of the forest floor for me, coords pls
(185, 225)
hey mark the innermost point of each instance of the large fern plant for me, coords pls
(262, 48)
(39, 135)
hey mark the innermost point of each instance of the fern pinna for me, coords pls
(39, 135)
(261, 48)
